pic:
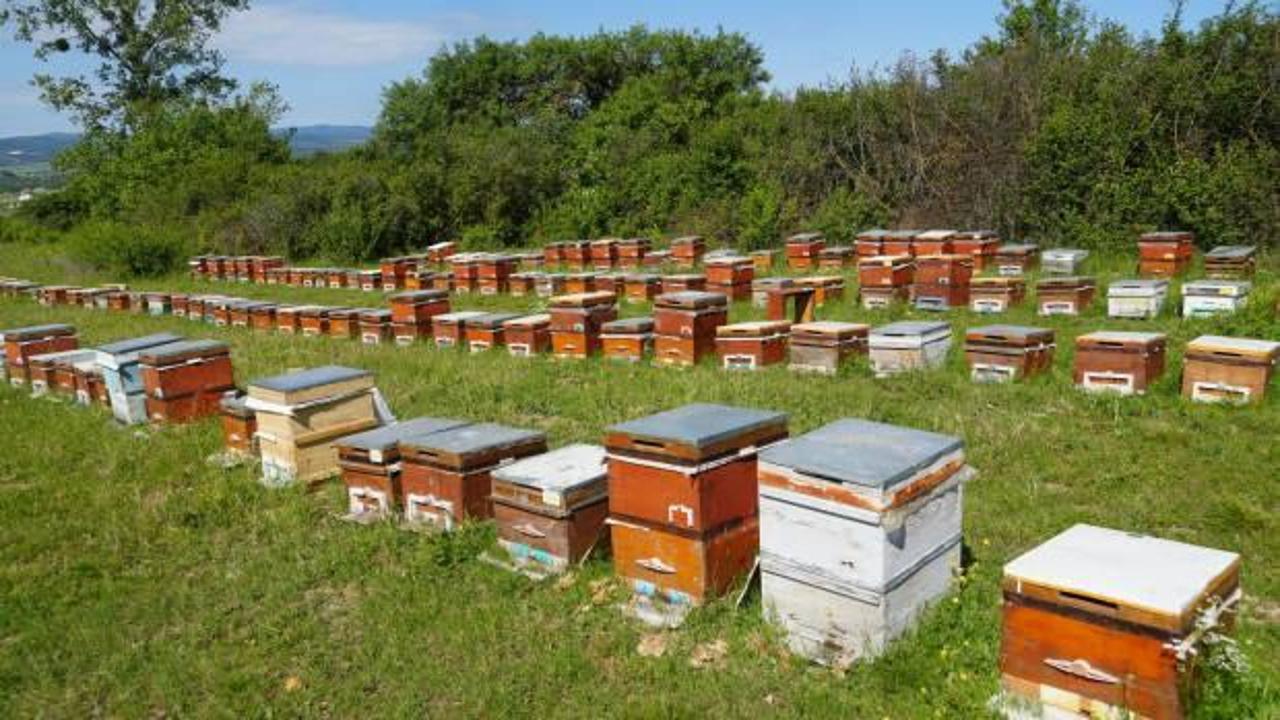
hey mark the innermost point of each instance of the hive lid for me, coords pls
(641, 278)
(628, 326)
(772, 282)
(1066, 281)
(235, 403)
(388, 436)
(1247, 347)
(529, 320)
(1226, 288)
(415, 296)
(699, 426)
(1065, 254)
(805, 237)
(688, 240)
(460, 317)
(1158, 576)
(1231, 252)
(912, 328)
(1137, 288)
(1123, 337)
(470, 442)
(727, 260)
(875, 234)
(378, 314)
(1017, 249)
(133, 345)
(182, 350)
(1010, 333)
(589, 299)
(862, 452)
(561, 469)
(691, 299)
(1180, 236)
(830, 327)
(65, 357)
(309, 379)
(37, 331)
(996, 281)
(901, 234)
(936, 235)
(885, 260)
(758, 328)
(492, 321)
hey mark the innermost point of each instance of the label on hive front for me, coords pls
(988, 305)
(739, 362)
(1058, 307)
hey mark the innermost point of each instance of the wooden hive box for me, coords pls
(262, 317)
(241, 313)
(369, 280)
(50, 295)
(658, 258)
(869, 243)
(121, 366)
(907, 346)
(442, 281)
(1206, 298)
(375, 326)
(528, 335)
(631, 252)
(239, 425)
(680, 567)
(371, 466)
(157, 303)
(860, 530)
(685, 325)
(66, 370)
(550, 285)
(760, 288)
(90, 387)
(827, 288)
(550, 509)
(553, 254)
(344, 323)
(419, 306)
(222, 308)
(577, 253)
(936, 242)
(185, 381)
(641, 287)
(1231, 262)
(686, 282)
(446, 475)
(900, 242)
(729, 270)
(393, 271)
(886, 271)
(449, 329)
(939, 297)
(314, 320)
(440, 252)
(1104, 623)
(117, 300)
(628, 340)
(42, 371)
(1226, 369)
(1002, 353)
(835, 257)
(576, 322)
(948, 269)
(1064, 295)
(524, 284)
(604, 253)
(685, 251)
(752, 345)
(823, 346)
(692, 468)
(803, 250)
(581, 282)
(762, 259)
(1016, 259)
(611, 283)
(494, 273)
(1136, 299)
(300, 417)
(21, 343)
(289, 319)
(995, 294)
(1121, 362)
(488, 331)
(1063, 261)
(1166, 245)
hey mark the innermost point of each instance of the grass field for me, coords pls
(138, 580)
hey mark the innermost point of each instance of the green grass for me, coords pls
(137, 579)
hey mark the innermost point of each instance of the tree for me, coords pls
(149, 52)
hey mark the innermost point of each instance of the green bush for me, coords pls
(14, 230)
(127, 251)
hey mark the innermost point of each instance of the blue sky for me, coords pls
(331, 59)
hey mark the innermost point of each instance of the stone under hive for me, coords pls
(22, 343)
(1121, 362)
(1206, 298)
(1002, 353)
(860, 530)
(301, 416)
(682, 498)
(629, 339)
(825, 345)
(1108, 624)
(752, 345)
(577, 320)
(685, 326)
(447, 476)
(185, 381)
(1136, 299)
(528, 335)
(907, 346)
(371, 465)
(1063, 261)
(550, 509)
(121, 366)
(1064, 295)
(804, 249)
(1227, 369)
(996, 294)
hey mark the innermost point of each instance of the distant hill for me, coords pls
(25, 150)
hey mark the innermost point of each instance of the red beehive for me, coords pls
(1017, 259)
(529, 335)
(393, 272)
(900, 242)
(824, 346)
(371, 464)
(418, 307)
(935, 242)
(289, 319)
(631, 252)
(375, 326)
(1001, 353)
(886, 271)
(835, 257)
(683, 283)
(752, 345)
(488, 331)
(344, 323)
(604, 253)
(685, 251)
(685, 324)
(239, 424)
(576, 322)
(577, 253)
(803, 250)
(494, 273)
(20, 344)
(1123, 362)
(870, 243)
(523, 284)
(826, 288)
(440, 252)
(995, 294)
(730, 270)
(185, 381)
(1064, 295)
(553, 253)
(450, 329)
(577, 283)
(262, 317)
(313, 320)
(627, 339)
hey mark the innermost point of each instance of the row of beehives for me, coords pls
(687, 327)
(856, 526)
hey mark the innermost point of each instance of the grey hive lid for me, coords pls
(387, 436)
(419, 296)
(628, 325)
(1014, 331)
(184, 348)
(873, 234)
(472, 438)
(911, 328)
(901, 234)
(562, 469)
(1017, 248)
(1231, 251)
(493, 320)
(38, 331)
(1214, 287)
(292, 382)
(699, 424)
(131, 345)
(641, 277)
(379, 313)
(458, 317)
(861, 452)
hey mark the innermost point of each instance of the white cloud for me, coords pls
(291, 35)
